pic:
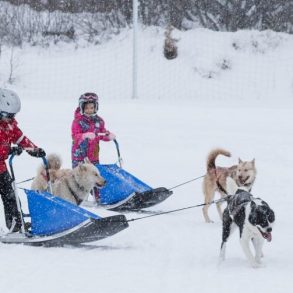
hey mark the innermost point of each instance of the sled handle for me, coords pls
(118, 153)
(45, 161)
(16, 151)
(120, 161)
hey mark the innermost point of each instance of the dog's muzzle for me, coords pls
(243, 180)
(101, 185)
(266, 235)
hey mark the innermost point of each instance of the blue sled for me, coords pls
(56, 222)
(125, 192)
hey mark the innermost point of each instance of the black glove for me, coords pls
(37, 152)
(16, 150)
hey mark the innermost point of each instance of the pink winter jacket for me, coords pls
(82, 148)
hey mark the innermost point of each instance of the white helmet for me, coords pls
(9, 102)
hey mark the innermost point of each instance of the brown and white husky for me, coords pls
(244, 175)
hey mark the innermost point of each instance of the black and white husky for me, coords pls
(254, 219)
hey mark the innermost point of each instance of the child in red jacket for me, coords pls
(11, 134)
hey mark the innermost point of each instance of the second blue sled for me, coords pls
(125, 192)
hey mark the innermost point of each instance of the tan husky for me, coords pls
(244, 174)
(73, 185)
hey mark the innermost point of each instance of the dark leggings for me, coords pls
(9, 200)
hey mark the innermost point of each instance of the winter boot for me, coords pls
(12, 215)
(15, 226)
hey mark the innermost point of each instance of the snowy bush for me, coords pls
(19, 24)
(258, 42)
(219, 15)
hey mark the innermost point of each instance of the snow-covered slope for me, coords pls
(164, 136)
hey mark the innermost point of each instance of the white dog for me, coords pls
(253, 217)
(73, 185)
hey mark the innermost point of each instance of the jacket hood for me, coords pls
(77, 114)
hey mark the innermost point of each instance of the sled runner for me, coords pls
(125, 192)
(54, 221)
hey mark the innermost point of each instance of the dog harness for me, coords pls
(238, 200)
(76, 197)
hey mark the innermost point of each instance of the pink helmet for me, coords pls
(88, 98)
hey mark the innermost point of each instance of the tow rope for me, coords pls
(186, 182)
(27, 180)
(181, 209)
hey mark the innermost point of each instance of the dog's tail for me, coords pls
(54, 161)
(211, 160)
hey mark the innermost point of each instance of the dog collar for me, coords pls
(76, 197)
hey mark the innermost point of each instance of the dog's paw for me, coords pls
(258, 257)
(256, 265)
(220, 261)
(222, 257)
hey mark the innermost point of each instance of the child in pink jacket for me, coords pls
(87, 130)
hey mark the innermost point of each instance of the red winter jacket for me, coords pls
(11, 134)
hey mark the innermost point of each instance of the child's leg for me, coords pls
(75, 163)
(96, 191)
(9, 202)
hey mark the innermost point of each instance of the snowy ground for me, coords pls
(247, 110)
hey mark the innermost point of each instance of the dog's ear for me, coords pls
(271, 215)
(253, 162)
(86, 160)
(81, 166)
(240, 161)
(252, 215)
(267, 211)
(264, 203)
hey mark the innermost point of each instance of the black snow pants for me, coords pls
(9, 202)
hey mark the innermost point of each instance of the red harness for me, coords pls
(44, 175)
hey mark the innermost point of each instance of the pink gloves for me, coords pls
(107, 136)
(89, 135)
(111, 136)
